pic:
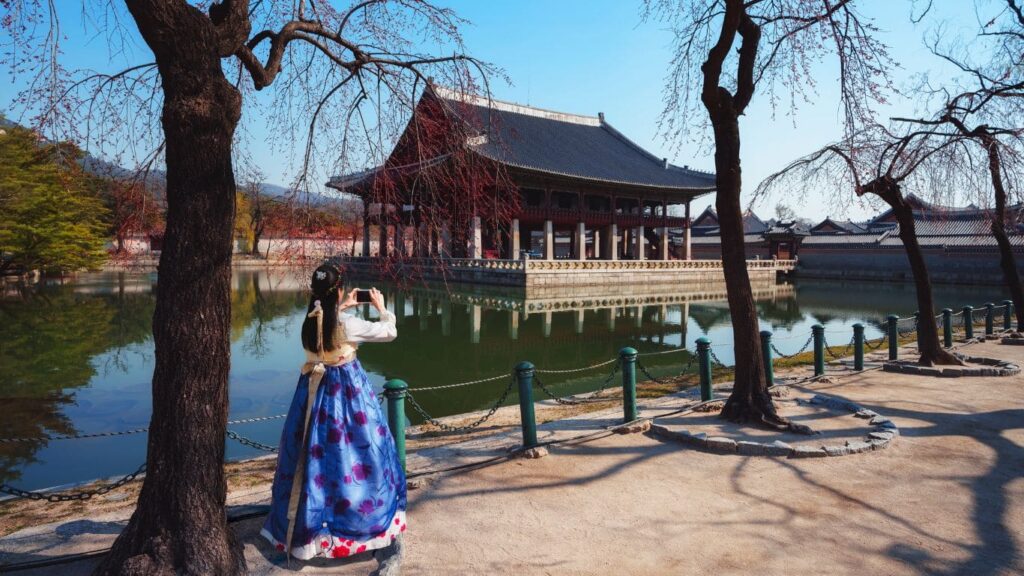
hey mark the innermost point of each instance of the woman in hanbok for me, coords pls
(339, 488)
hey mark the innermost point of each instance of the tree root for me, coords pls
(759, 409)
(940, 358)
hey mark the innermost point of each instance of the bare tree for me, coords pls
(986, 107)
(877, 161)
(339, 74)
(784, 213)
(778, 41)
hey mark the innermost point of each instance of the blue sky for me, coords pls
(590, 56)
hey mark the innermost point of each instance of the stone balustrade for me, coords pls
(543, 275)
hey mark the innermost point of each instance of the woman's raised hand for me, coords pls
(377, 299)
(349, 301)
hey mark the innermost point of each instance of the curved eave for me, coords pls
(692, 192)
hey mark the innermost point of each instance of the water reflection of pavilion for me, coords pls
(647, 313)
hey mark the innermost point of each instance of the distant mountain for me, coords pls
(103, 168)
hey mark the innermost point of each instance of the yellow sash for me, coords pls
(316, 373)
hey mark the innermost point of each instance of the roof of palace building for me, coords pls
(934, 225)
(561, 144)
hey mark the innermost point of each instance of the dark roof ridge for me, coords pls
(446, 93)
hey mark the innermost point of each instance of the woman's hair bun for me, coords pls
(326, 279)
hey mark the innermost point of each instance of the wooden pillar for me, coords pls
(612, 242)
(639, 241)
(382, 238)
(549, 240)
(366, 237)
(444, 241)
(664, 243)
(476, 246)
(687, 253)
(514, 240)
(581, 241)
(597, 244)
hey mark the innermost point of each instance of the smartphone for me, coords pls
(363, 296)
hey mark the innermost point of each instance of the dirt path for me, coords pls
(948, 498)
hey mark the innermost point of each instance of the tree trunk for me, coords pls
(749, 401)
(179, 525)
(1006, 260)
(928, 344)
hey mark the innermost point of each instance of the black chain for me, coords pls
(70, 496)
(867, 343)
(651, 377)
(608, 379)
(846, 349)
(716, 360)
(124, 432)
(501, 400)
(250, 442)
(551, 395)
(564, 400)
(693, 358)
(797, 353)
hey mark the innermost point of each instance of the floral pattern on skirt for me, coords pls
(353, 497)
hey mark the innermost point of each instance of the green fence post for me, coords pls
(1007, 314)
(628, 358)
(394, 391)
(766, 353)
(968, 322)
(947, 327)
(990, 317)
(858, 346)
(704, 361)
(524, 377)
(893, 334)
(818, 333)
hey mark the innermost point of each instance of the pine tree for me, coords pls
(51, 219)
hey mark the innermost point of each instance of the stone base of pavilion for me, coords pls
(540, 275)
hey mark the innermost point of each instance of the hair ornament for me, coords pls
(321, 275)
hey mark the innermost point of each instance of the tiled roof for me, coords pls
(841, 239)
(973, 240)
(950, 227)
(569, 145)
(844, 226)
(716, 240)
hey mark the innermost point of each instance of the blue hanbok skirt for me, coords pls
(352, 497)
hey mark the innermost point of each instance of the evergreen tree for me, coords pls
(51, 218)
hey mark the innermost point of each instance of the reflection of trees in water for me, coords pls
(255, 308)
(50, 338)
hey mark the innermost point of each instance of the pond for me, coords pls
(77, 357)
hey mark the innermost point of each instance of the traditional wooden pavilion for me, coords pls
(585, 190)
